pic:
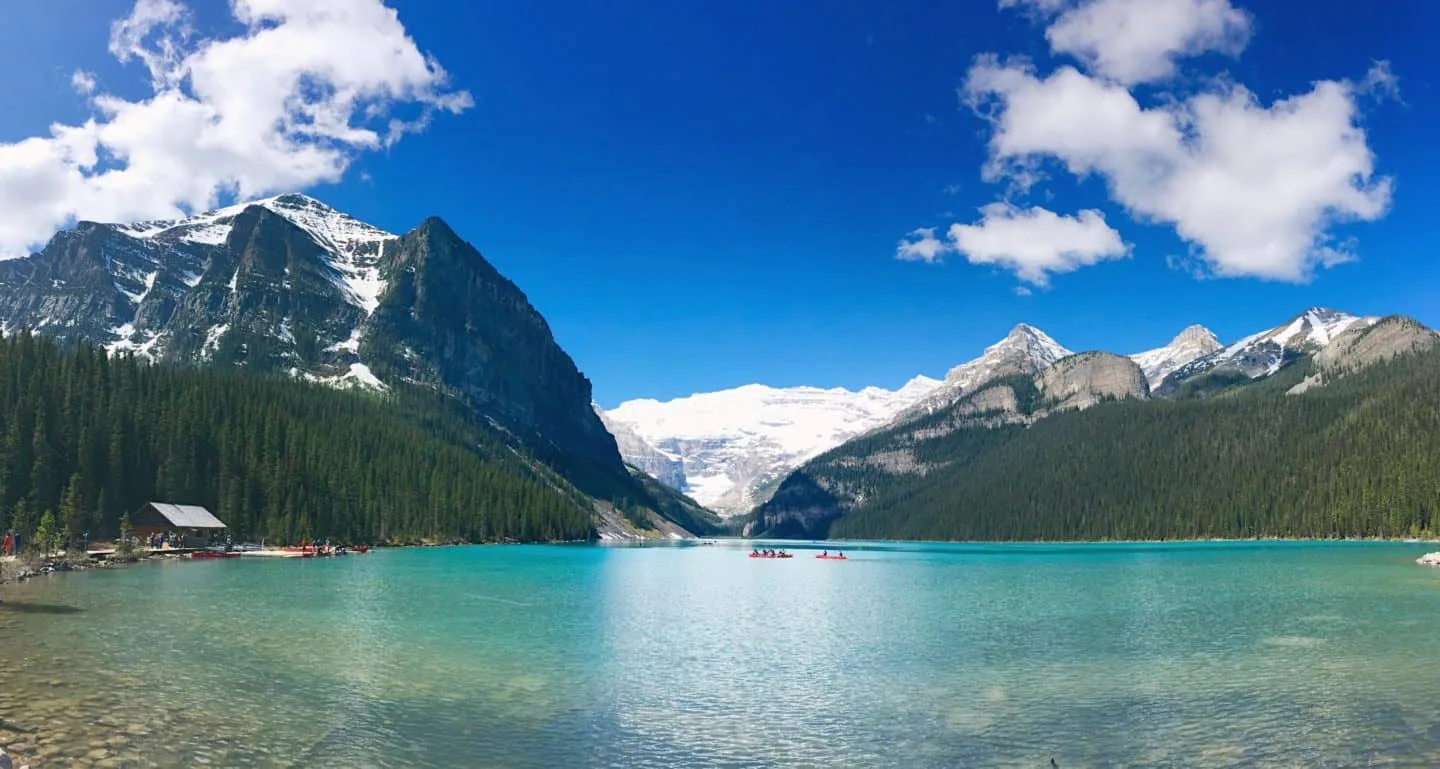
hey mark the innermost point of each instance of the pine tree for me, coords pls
(48, 536)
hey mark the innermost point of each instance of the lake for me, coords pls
(907, 655)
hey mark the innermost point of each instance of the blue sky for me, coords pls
(703, 195)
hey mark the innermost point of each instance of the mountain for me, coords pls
(1025, 350)
(1264, 353)
(290, 285)
(826, 488)
(1192, 343)
(726, 449)
(1083, 449)
(1364, 345)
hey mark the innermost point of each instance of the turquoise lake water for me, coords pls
(1273, 654)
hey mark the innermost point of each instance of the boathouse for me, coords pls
(187, 525)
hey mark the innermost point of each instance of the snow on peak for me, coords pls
(352, 247)
(733, 442)
(1192, 343)
(1264, 353)
(1025, 350)
(1029, 341)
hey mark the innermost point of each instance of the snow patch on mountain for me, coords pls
(1192, 343)
(1266, 352)
(353, 247)
(1025, 350)
(731, 444)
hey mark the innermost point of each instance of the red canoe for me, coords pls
(832, 557)
(783, 555)
(213, 554)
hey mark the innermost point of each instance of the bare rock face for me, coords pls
(665, 468)
(1081, 381)
(1363, 346)
(1359, 347)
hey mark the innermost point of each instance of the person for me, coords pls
(9, 544)
(824, 553)
(839, 553)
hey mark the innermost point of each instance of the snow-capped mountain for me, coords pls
(289, 284)
(1025, 350)
(1192, 343)
(1264, 353)
(731, 446)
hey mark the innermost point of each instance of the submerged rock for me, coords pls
(5, 762)
(1429, 559)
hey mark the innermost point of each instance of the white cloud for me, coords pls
(83, 82)
(285, 104)
(1255, 188)
(921, 246)
(1138, 41)
(1033, 243)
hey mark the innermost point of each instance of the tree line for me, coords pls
(1359, 457)
(89, 438)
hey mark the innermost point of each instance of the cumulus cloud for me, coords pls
(1254, 187)
(921, 246)
(284, 104)
(1137, 41)
(1033, 243)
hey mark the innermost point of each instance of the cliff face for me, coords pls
(1390, 336)
(449, 319)
(1081, 381)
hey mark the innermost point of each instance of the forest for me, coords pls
(1359, 457)
(91, 438)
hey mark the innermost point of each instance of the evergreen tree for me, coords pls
(48, 536)
(96, 437)
(1357, 457)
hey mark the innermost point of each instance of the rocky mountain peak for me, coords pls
(1081, 381)
(1192, 343)
(1268, 351)
(1196, 336)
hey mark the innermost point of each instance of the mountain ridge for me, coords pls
(650, 442)
(1317, 356)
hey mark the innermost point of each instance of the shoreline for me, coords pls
(13, 572)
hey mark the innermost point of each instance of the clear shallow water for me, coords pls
(906, 656)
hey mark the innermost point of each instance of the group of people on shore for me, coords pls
(163, 539)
